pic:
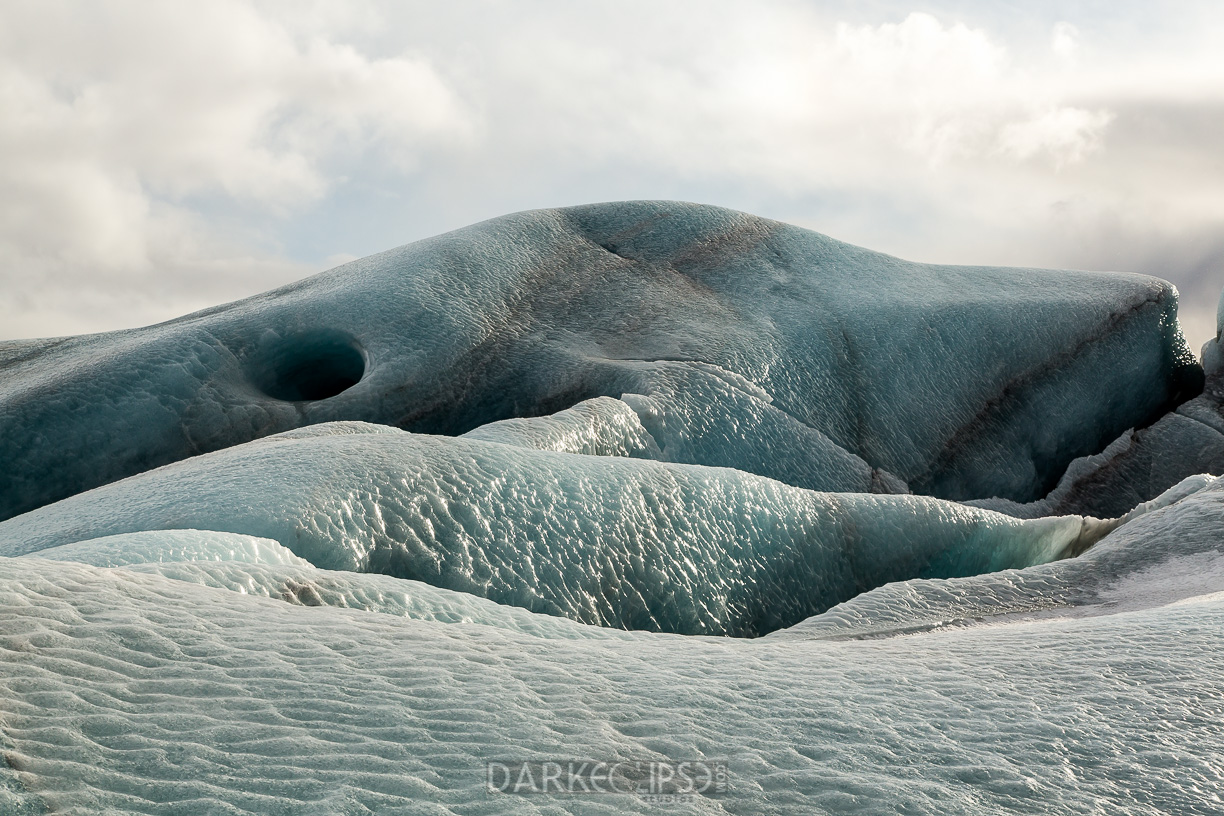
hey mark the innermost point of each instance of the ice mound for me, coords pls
(614, 541)
(263, 568)
(960, 382)
(596, 427)
(698, 414)
(1142, 462)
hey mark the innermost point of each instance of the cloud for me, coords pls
(1065, 133)
(1064, 41)
(127, 122)
(189, 154)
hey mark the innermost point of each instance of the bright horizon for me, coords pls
(160, 158)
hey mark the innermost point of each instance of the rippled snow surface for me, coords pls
(196, 688)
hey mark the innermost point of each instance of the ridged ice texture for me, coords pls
(614, 541)
(697, 415)
(962, 382)
(1136, 466)
(128, 692)
(597, 427)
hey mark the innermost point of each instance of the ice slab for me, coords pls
(297, 582)
(1135, 467)
(173, 546)
(1166, 550)
(697, 414)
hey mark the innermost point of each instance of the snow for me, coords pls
(139, 693)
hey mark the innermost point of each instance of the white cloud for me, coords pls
(1065, 133)
(121, 117)
(162, 149)
(1064, 40)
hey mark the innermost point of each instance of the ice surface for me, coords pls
(1087, 685)
(597, 427)
(304, 585)
(1165, 550)
(1142, 462)
(698, 414)
(614, 541)
(173, 546)
(492, 495)
(1213, 359)
(141, 693)
(960, 382)
(1135, 467)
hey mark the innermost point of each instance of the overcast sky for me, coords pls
(159, 157)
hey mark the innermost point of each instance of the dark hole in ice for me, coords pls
(309, 366)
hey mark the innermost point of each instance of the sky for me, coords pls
(158, 157)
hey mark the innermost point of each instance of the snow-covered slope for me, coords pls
(170, 688)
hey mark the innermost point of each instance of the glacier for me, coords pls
(165, 688)
(960, 382)
(609, 541)
(633, 481)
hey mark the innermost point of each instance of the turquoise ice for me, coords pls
(204, 686)
(605, 540)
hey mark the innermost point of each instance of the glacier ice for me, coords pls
(613, 541)
(503, 494)
(698, 414)
(173, 546)
(163, 688)
(261, 567)
(602, 426)
(1144, 461)
(959, 382)
(1164, 550)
